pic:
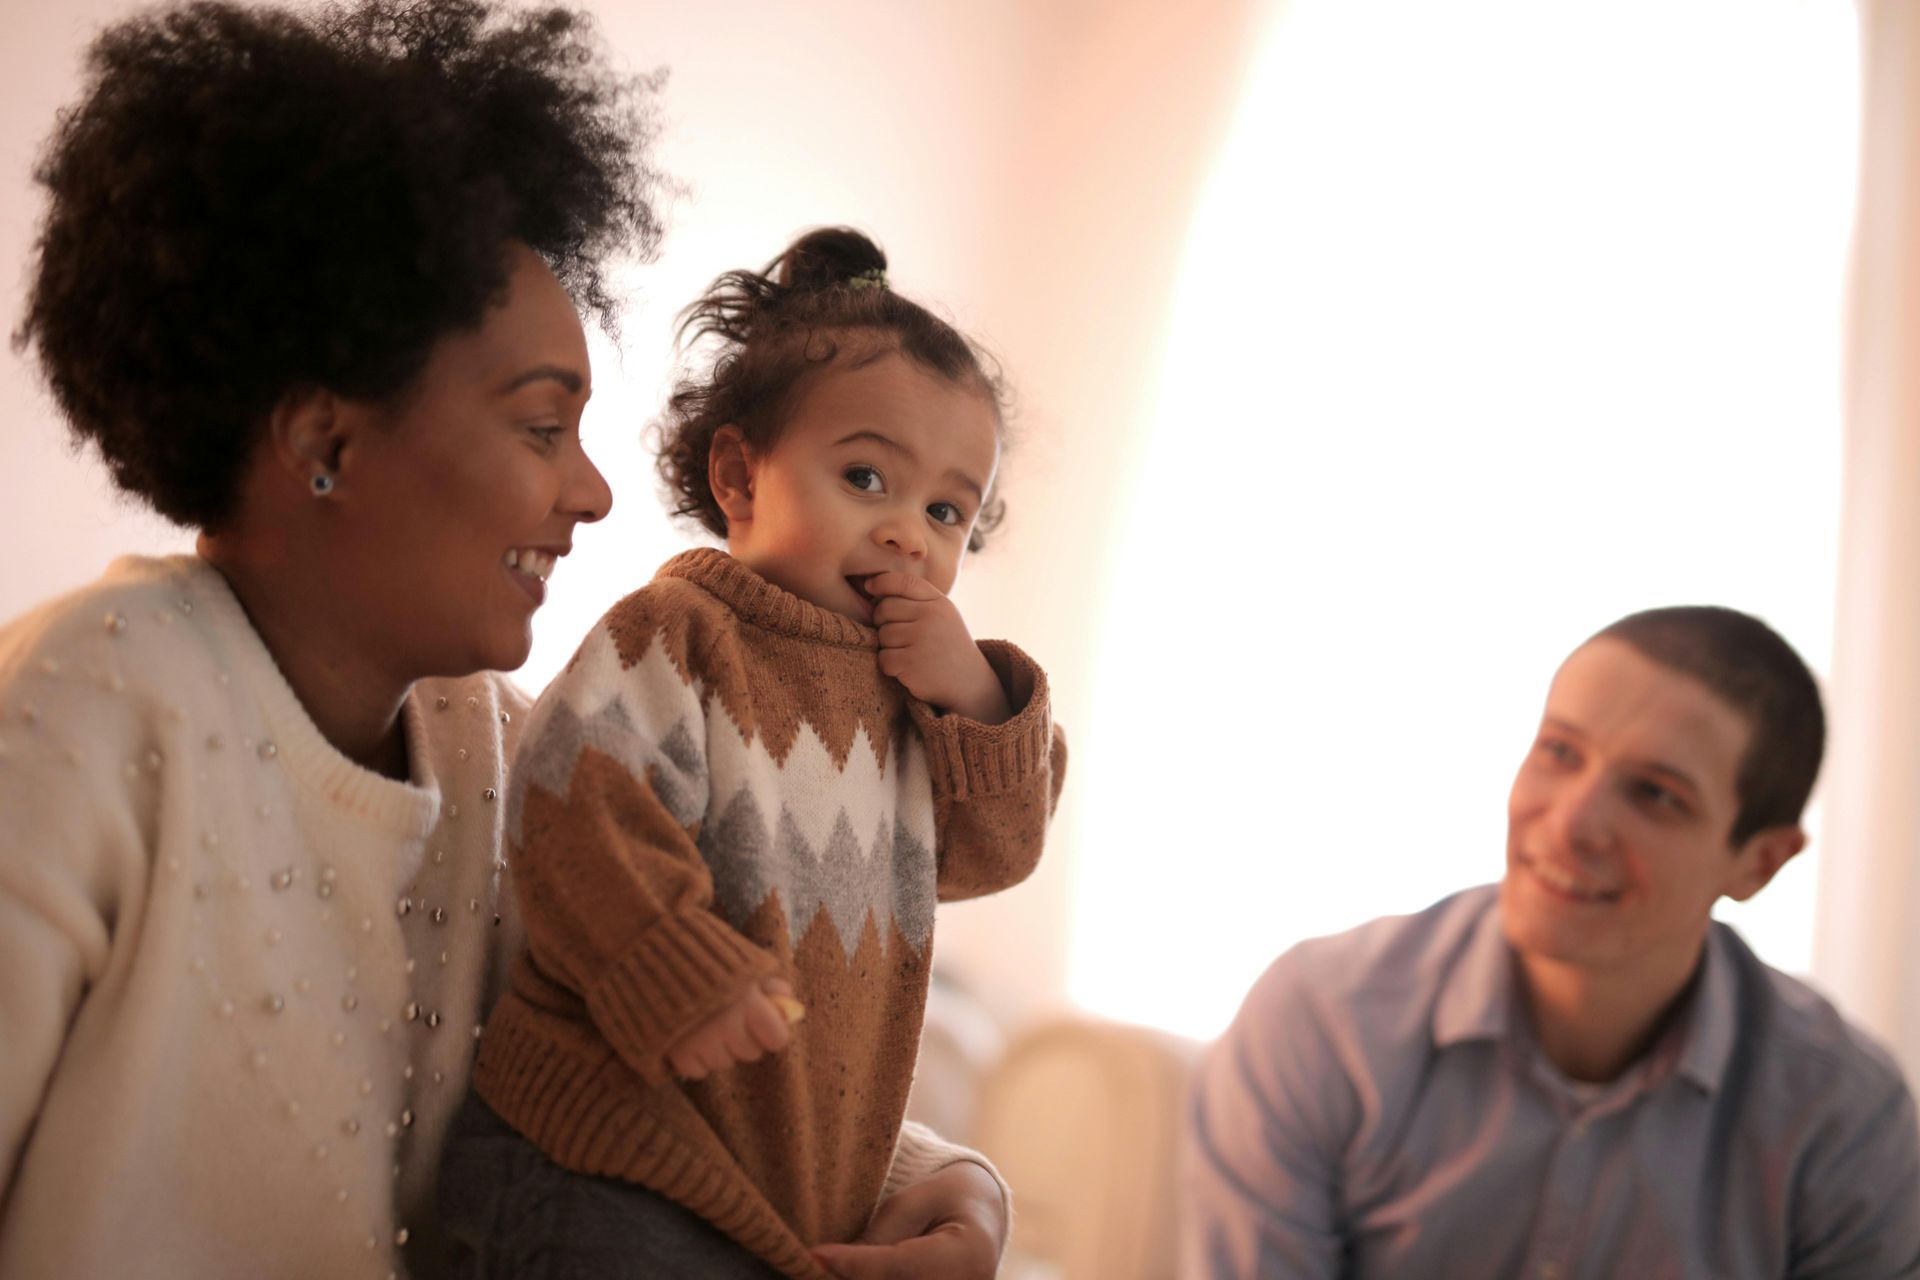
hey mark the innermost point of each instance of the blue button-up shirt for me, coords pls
(1380, 1108)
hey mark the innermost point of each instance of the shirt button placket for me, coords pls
(1568, 1186)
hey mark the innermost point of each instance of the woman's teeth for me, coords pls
(537, 564)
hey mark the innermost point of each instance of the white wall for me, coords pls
(57, 511)
(1029, 168)
(1034, 168)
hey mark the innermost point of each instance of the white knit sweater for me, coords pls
(240, 975)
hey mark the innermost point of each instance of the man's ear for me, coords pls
(730, 473)
(1761, 857)
(307, 434)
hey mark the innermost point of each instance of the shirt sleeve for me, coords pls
(605, 797)
(1260, 1166)
(75, 788)
(994, 786)
(1856, 1213)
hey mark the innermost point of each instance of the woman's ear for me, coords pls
(730, 470)
(306, 435)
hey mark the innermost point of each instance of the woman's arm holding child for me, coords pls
(944, 1215)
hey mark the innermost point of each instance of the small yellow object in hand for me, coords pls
(792, 1009)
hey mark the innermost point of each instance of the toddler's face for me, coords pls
(881, 468)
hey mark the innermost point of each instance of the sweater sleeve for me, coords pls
(606, 797)
(921, 1153)
(76, 785)
(994, 786)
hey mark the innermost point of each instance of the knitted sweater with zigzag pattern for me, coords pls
(723, 786)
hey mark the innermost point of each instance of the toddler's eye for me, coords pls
(865, 479)
(946, 513)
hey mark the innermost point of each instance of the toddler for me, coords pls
(731, 816)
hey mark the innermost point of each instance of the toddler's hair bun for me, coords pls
(828, 257)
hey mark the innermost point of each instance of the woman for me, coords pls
(309, 285)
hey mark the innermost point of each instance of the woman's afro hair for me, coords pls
(251, 201)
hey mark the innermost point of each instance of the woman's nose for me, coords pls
(587, 495)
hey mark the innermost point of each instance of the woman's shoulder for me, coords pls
(98, 688)
(135, 597)
(147, 626)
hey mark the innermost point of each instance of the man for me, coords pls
(1577, 1073)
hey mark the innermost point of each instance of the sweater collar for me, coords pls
(765, 605)
(406, 809)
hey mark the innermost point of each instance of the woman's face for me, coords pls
(467, 491)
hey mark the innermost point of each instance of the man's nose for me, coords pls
(1581, 814)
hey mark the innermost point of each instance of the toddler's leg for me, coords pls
(512, 1214)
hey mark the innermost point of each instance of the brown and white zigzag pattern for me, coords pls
(856, 838)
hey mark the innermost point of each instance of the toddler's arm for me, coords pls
(607, 789)
(997, 761)
(994, 786)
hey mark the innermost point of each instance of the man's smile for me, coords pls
(1564, 883)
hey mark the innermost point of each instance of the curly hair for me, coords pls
(250, 201)
(778, 328)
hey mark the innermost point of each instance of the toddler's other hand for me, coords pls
(924, 645)
(758, 1023)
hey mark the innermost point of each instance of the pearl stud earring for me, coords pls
(322, 483)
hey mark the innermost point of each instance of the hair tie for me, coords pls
(873, 278)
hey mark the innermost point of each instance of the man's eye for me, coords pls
(1658, 796)
(865, 479)
(946, 513)
(1556, 750)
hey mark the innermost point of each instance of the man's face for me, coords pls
(1618, 823)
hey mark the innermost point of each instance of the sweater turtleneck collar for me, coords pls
(765, 605)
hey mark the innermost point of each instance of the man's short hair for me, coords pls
(1754, 671)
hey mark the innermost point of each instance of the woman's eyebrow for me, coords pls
(567, 378)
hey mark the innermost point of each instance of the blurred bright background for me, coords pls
(1369, 354)
(1496, 321)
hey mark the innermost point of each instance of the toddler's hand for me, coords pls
(758, 1023)
(925, 646)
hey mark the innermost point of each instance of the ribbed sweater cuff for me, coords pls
(682, 970)
(968, 758)
(921, 1153)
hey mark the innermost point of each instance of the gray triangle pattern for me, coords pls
(548, 757)
(736, 850)
(893, 878)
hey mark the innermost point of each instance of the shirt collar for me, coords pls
(1477, 1000)
(1710, 1020)
(1476, 996)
